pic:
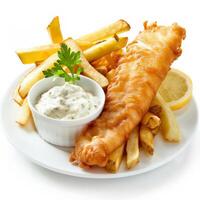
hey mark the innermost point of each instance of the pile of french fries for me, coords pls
(93, 47)
(100, 52)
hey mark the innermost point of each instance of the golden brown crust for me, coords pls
(136, 81)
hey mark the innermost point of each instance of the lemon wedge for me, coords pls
(176, 89)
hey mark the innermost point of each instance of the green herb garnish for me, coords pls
(67, 58)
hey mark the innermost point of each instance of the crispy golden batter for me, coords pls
(137, 79)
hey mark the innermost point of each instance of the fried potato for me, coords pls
(105, 47)
(151, 121)
(108, 62)
(24, 114)
(132, 149)
(106, 65)
(155, 109)
(85, 44)
(54, 30)
(33, 55)
(146, 140)
(102, 69)
(113, 59)
(37, 74)
(110, 75)
(37, 54)
(88, 70)
(119, 26)
(155, 131)
(115, 159)
(41, 53)
(38, 63)
(169, 126)
(16, 97)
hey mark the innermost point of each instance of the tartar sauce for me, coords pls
(68, 101)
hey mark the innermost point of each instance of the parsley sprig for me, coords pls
(67, 58)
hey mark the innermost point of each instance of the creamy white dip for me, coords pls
(68, 101)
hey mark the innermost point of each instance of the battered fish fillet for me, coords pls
(137, 79)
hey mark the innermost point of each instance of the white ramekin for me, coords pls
(62, 132)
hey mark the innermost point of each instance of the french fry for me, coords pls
(24, 114)
(100, 62)
(106, 64)
(110, 75)
(85, 44)
(33, 55)
(104, 48)
(119, 26)
(146, 140)
(115, 159)
(169, 126)
(54, 30)
(37, 54)
(37, 74)
(132, 149)
(155, 131)
(38, 63)
(113, 58)
(102, 69)
(88, 70)
(41, 53)
(151, 121)
(16, 96)
(155, 109)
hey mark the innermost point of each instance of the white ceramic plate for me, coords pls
(53, 158)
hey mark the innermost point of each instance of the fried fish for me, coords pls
(136, 80)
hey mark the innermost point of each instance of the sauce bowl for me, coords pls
(57, 131)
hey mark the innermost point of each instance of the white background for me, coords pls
(23, 24)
